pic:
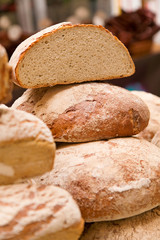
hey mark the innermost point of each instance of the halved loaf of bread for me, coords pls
(87, 111)
(6, 77)
(38, 213)
(27, 148)
(66, 53)
(110, 180)
(145, 226)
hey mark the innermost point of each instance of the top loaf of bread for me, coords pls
(66, 53)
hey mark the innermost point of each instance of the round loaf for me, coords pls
(66, 53)
(153, 103)
(27, 148)
(110, 180)
(145, 226)
(6, 77)
(32, 212)
(87, 111)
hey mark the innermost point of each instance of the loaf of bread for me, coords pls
(145, 226)
(32, 212)
(86, 111)
(153, 103)
(110, 180)
(27, 148)
(66, 53)
(6, 77)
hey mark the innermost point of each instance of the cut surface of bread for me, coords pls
(27, 148)
(145, 226)
(153, 103)
(109, 180)
(87, 111)
(6, 77)
(66, 53)
(36, 212)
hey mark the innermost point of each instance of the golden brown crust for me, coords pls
(145, 226)
(71, 233)
(121, 124)
(86, 112)
(6, 77)
(24, 159)
(26, 146)
(110, 180)
(39, 213)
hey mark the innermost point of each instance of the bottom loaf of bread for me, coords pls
(37, 212)
(109, 180)
(142, 227)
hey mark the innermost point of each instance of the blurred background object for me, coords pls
(135, 29)
(135, 22)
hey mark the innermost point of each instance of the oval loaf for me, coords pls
(66, 53)
(27, 148)
(32, 212)
(110, 180)
(87, 111)
(145, 226)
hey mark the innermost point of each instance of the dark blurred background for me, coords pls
(135, 22)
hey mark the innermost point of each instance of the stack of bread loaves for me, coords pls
(27, 149)
(25, 140)
(111, 174)
(30, 212)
